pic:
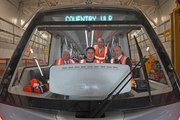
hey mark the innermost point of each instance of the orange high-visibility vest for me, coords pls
(122, 60)
(61, 61)
(84, 61)
(100, 56)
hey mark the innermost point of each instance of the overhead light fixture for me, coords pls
(147, 49)
(86, 38)
(92, 38)
(31, 50)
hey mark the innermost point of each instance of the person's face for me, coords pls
(66, 55)
(117, 51)
(90, 54)
(100, 44)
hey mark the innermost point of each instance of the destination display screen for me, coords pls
(90, 17)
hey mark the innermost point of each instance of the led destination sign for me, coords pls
(72, 18)
(90, 17)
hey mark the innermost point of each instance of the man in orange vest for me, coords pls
(90, 56)
(65, 59)
(119, 57)
(101, 51)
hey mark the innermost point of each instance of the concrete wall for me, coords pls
(9, 11)
(161, 16)
(163, 11)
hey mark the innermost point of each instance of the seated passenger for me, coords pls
(65, 59)
(101, 51)
(119, 57)
(90, 56)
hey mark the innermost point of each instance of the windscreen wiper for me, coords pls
(103, 106)
(100, 110)
(144, 69)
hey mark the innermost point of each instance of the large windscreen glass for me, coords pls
(43, 72)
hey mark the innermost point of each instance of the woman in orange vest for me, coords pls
(90, 56)
(65, 59)
(119, 57)
(101, 51)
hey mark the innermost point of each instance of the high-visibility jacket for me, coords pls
(84, 61)
(121, 61)
(61, 61)
(102, 55)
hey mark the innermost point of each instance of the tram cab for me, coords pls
(90, 90)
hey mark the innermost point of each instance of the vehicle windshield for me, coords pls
(41, 60)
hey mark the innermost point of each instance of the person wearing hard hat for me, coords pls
(90, 56)
(65, 59)
(101, 51)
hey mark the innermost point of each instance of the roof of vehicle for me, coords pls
(89, 6)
